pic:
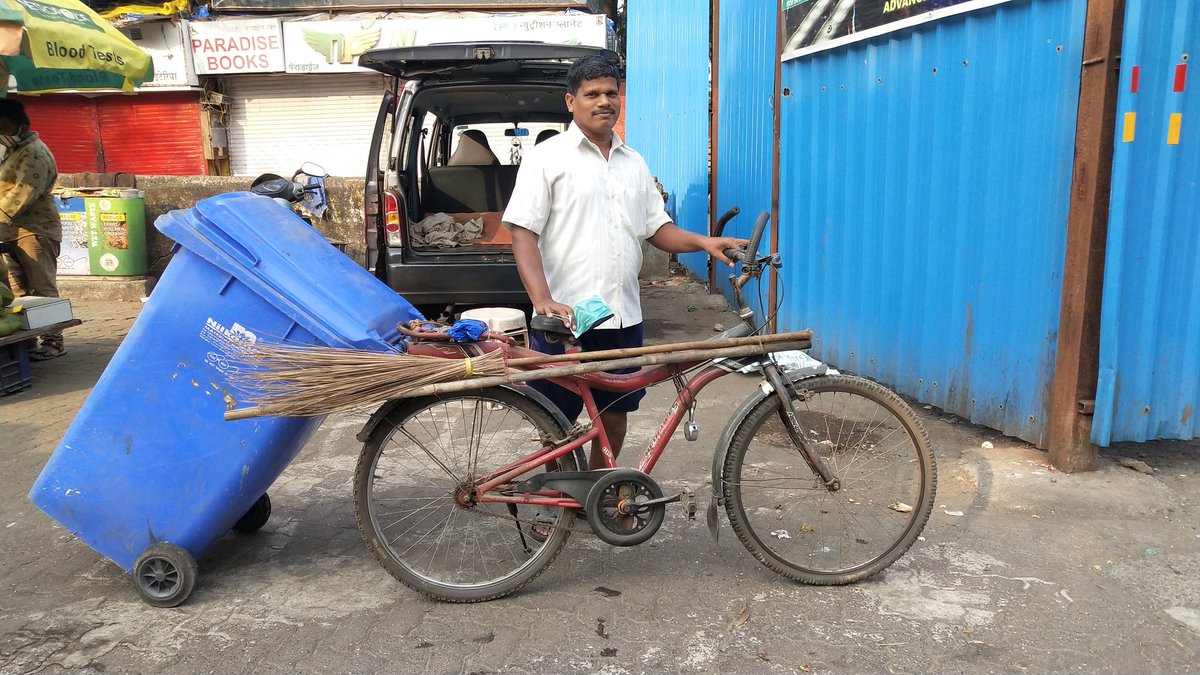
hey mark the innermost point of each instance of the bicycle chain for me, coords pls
(529, 521)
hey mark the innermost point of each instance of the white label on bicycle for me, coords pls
(766, 387)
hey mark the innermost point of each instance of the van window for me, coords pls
(508, 149)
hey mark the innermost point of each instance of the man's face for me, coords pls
(596, 106)
(8, 127)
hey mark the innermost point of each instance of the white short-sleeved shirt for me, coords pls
(590, 215)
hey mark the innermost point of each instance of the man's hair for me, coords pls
(13, 111)
(591, 67)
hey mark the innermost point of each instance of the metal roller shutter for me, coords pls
(156, 134)
(277, 122)
(68, 125)
(147, 134)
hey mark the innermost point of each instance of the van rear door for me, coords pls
(478, 59)
(376, 172)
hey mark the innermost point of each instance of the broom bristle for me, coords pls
(308, 380)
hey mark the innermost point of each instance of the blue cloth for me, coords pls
(467, 330)
(589, 313)
(594, 341)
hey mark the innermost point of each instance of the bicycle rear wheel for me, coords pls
(874, 445)
(407, 490)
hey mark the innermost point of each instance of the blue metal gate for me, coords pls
(923, 206)
(745, 109)
(666, 114)
(1149, 381)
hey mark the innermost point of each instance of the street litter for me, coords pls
(900, 507)
(743, 616)
(952, 513)
(987, 445)
(1137, 465)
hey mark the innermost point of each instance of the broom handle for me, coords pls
(560, 371)
(660, 349)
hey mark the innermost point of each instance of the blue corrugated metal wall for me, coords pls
(923, 201)
(745, 124)
(1149, 384)
(666, 104)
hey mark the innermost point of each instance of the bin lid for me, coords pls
(291, 265)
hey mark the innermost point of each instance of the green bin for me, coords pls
(116, 233)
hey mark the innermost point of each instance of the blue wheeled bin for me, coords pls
(149, 474)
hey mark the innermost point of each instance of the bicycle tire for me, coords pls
(875, 445)
(413, 462)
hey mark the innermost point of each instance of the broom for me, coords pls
(307, 380)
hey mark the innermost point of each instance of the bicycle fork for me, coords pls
(785, 389)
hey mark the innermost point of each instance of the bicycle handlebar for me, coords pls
(760, 226)
(750, 253)
(725, 218)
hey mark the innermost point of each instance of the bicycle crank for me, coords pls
(626, 507)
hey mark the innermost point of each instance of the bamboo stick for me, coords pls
(659, 349)
(694, 355)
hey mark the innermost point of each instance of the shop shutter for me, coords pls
(278, 122)
(153, 134)
(68, 125)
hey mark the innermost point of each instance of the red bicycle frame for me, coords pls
(582, 385)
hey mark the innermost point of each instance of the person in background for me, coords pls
(30, 227)
(583, 203)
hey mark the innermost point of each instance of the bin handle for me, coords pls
(231, 245)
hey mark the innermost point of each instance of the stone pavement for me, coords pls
(1042, 572)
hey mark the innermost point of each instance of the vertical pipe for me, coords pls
(776, 114)
(713, 127)
(1076, 368)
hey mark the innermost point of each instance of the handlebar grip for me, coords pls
(724, 220)
(760, 226)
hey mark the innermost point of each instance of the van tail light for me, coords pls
(393, 219)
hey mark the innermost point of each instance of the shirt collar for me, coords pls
(577, 134)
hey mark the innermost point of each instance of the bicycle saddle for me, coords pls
(549, 324)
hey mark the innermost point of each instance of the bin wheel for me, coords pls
(164, 575)
(256, 517)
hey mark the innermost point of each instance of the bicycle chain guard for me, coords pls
(626, 507)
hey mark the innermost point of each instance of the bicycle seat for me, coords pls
(549, 324)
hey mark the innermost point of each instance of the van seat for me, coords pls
(468, 189)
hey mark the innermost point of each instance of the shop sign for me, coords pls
(237, 46)
(335, 45)
(166, 43)
(815, 25)
(571, 29)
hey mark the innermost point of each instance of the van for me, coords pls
(443, 162)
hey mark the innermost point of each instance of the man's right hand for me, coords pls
(556, 309)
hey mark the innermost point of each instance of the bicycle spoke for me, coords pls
(788, 518)
(427, 537)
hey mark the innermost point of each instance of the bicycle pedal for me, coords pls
(687, 500)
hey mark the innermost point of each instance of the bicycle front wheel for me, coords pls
(412, 503)
(785, 516)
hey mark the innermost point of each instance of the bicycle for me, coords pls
(826, 479)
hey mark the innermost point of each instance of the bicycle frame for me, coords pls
(582, 385)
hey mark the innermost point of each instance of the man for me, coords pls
(582, 205)
(30, 230)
